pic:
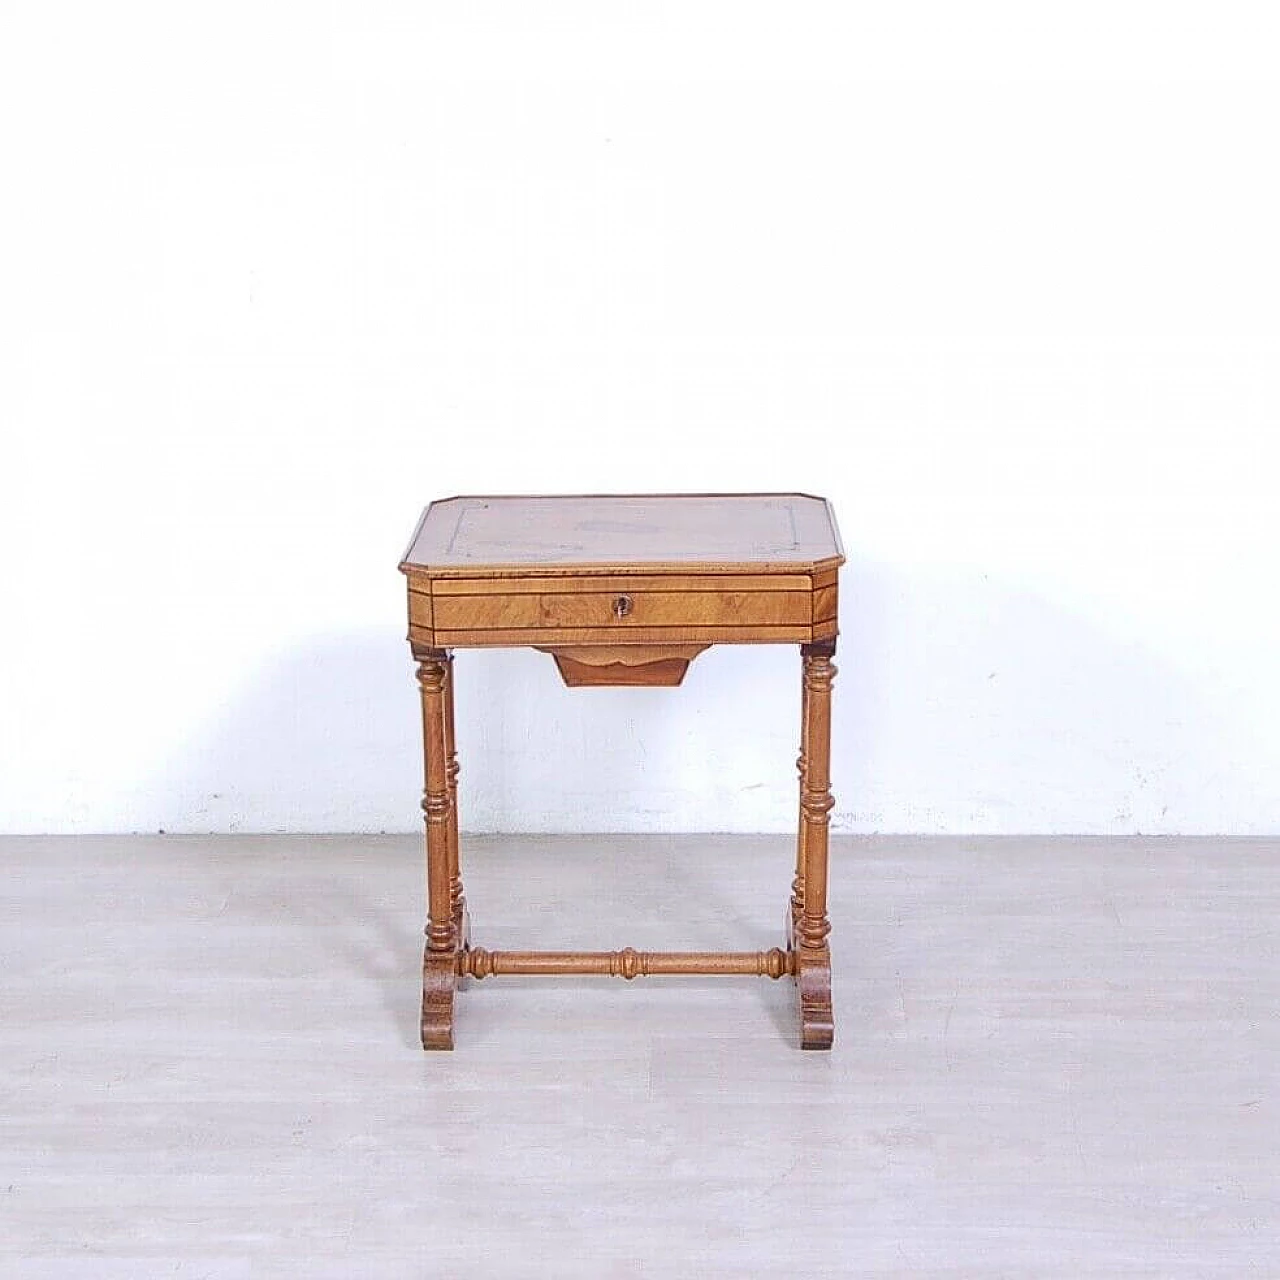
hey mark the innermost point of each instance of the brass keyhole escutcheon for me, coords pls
(622, 606)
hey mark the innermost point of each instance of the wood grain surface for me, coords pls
(774, 532)
(626, 610)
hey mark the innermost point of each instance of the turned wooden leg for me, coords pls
(796, 907)
(813, 955)
(457, 898)
(440, 959)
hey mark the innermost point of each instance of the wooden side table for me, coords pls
(624, 590)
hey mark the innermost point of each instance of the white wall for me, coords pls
(1002, 280)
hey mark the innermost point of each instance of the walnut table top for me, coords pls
(711, 533)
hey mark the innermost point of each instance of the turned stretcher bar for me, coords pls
(628, 963)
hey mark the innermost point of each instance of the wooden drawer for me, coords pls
(622, 610)
(618, 610)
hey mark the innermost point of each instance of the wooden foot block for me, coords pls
(813, 981)
(439, 982)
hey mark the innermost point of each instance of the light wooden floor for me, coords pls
(1053, 1058)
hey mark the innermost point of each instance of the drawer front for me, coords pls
(621, 611)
